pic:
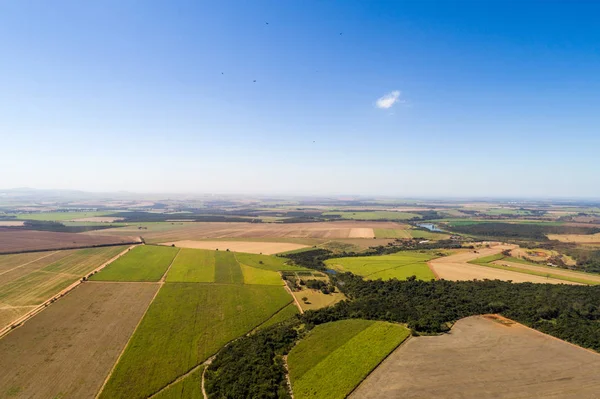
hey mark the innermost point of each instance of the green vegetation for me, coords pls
(523, 231)
(60, 216)
(187, 323)
(428, 235)
(142, 263)
(252, 275)
(335, 357)
(400, 265)
(227, 269)
(267, 262)
(286, 313)
(190, 387)
(193, 266)
(373, 215)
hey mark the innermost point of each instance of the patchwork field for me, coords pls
(552, 272)
(301, 233)
(374, 215)
(576, 238)
(187, 323)
(68, 350)
(12, 240)
(28, 280)
(482, 358)
(400, 265)
(335, 357)
(193, 266)
(457, 267)
(143, 263)
(253, 247)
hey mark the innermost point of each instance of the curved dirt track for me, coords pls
(483, 358)
(456, 268)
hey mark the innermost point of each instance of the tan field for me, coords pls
(482, 358)
(253, 247)
(31, 240)
(554, 270)
(11, 223)
(68, 349)
(204, 230)
(456, 267)
(576, 238)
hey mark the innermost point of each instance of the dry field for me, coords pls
(482, 358)
(31, 240)
(203, 230)
(456, 267)
(27, 280)
(252, 247)
(68, 349)
(554, 270)
(577, 238)
(11, 223)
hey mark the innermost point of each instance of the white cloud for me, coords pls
(388, 100)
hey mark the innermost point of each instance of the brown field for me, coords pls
(482, 358)
(11, 223)
(67, 350)
(554, 270)
(202, 230)
(577, 238)
(31, 240)
(253, 247)
(456, 267)
(27, 280)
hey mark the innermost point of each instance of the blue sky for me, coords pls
(495, 98)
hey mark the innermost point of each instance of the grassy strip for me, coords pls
(227, 268)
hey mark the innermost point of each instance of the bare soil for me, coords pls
(30, 240)
(253, 247)
(456, 267)
(485, 358)
(577, 238)
(68, 349)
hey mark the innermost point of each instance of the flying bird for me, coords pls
(254, 80)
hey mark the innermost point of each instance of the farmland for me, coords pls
(143, 263)
(458, 267)
(299, 233)
(255, 247)
(189, 387)
(193, 266)
(12, 241)
(27, 280)
(187, 323)
(227, 269)
(400, 265)
(60, 216)
(68, 349)
(576, 238)
(485, 358)
(335, 357)
(375, 215)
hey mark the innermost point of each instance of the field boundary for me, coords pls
(164, 276)
(21, 320)
(293, 296)
(28, 263)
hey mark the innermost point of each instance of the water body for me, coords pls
(429, 226)
(331, 271)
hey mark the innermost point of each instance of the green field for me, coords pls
(428, 235)
(189, 387)
(399, 265)
(227, 269)
(187, 323)
(142, 263)
(252, 275)
(392, 233)
(60, 216)
(374, 215)
(288, 312)
(193, 266)
(267, 262)
(335, 357)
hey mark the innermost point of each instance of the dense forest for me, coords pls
(524, 231)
